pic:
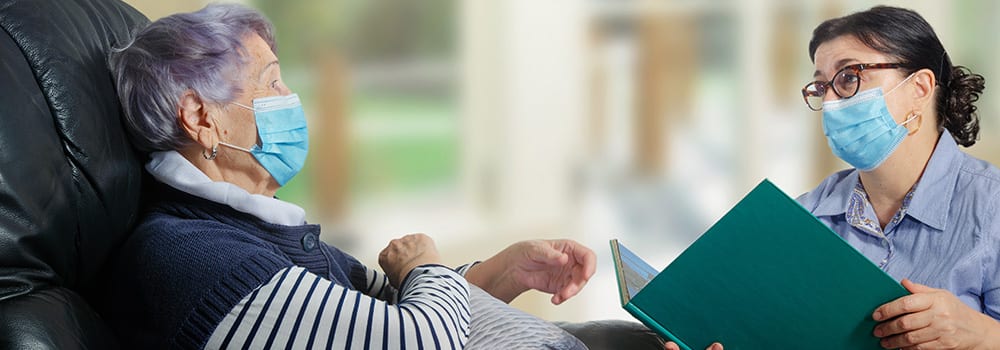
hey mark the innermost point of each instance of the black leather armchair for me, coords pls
(69, 180)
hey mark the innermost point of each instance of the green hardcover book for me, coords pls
(768, 275)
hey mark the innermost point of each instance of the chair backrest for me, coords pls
(69, 180)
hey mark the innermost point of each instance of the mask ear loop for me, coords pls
(235, 147)
(900, 84)
(216, 148)
(244, 106)
(912, 115)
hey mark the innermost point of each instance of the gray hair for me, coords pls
(200, 51)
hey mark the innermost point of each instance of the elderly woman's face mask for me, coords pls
(284, 139)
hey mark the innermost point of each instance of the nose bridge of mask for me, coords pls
(272, 103)
(859, 99)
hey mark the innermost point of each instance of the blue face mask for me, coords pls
(284, 139)
(860, 129)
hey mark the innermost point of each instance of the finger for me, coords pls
(903, 324)
(918, 337)
(585, 269)
(567, 292)
(417, 235)
(555, 258)
(584, 259)
(576, 281)
(671, 346)
(904, 305)
(548, 253)
(589, 262)
(915, 287)
(716, 346)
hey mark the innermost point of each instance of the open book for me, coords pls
(768, 275)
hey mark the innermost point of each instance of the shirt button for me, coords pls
(309, 242)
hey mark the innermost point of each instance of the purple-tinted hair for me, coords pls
(201, 51)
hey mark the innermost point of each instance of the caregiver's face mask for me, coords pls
(860, 129)
(284, 139)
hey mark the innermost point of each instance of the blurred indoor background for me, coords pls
(485, 122)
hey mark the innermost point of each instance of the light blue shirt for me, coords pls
(944, 236)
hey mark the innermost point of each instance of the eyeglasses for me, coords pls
(845, 83)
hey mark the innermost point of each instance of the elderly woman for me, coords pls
(218, 262)
(895, 108)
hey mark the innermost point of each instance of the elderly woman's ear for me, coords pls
(196, 120)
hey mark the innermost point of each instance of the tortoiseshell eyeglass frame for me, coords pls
(818, 88)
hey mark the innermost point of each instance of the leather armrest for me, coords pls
(54, 318)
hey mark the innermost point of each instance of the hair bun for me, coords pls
(958, 112)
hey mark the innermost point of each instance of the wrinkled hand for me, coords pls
(404, 253)
(559, 267)
(673, 346)
(932, 319)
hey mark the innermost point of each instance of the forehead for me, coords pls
(845, 50)
(258, 52)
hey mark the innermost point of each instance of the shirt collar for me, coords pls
(931, 197)
(171, 168)
(840, 197)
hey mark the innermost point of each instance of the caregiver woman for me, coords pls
(895, 108)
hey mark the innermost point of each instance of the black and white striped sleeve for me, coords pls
(297, 309)
(464, 269)
(376, 285)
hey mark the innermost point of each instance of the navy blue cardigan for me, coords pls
(191, 260)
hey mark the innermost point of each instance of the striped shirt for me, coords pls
(297, 309)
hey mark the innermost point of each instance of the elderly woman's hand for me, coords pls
(933, 319)
(405, 253)
(560, 267)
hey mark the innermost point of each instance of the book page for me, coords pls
(633, 272)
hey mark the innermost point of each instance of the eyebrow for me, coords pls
(840, 65)
(264, 70)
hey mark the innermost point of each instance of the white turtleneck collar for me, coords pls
(171, 168)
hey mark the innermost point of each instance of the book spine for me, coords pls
(652, 324)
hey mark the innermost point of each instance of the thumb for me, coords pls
(915, 287)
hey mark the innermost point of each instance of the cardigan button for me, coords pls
(309, 242)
